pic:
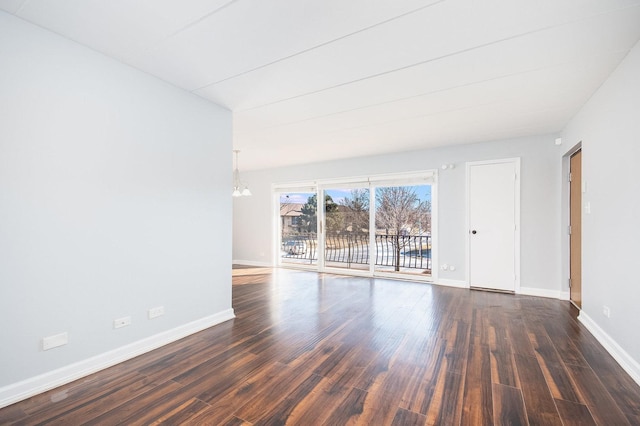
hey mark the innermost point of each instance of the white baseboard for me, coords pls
(27, 388)
(625, 360)
(452, 283)
(252, 263)
(541, 292)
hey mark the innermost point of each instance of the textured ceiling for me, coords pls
(327, 79)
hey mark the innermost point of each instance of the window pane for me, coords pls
(298, 222)
(403, 229)
(347, 233)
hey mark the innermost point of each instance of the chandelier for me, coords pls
(238, 190)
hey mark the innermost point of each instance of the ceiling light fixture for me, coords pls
(237, 183)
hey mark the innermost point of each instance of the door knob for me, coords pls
(474, 232)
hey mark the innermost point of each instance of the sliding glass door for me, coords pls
(381, 225)
(403, 241)
(298, 223)
(346, 236)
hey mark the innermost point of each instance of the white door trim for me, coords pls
(468, 165)
(565, 243)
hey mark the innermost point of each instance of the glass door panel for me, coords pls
(298, 228)
(346, 236)
(403, 229)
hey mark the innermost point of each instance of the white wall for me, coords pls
(540, 203)
(114, 198)
(609, 128)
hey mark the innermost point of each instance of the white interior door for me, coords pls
(493, 224)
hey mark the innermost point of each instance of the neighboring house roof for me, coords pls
(291, 209)
(294, 209)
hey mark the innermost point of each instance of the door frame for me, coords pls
(565, 243)
(468, 165)
(573, 269)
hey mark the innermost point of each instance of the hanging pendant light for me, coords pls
(237, 183)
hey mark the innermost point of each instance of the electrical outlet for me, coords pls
(155, 312)
(121, 322)
(54, 341)
(606, 311)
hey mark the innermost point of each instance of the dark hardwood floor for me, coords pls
(312, 349)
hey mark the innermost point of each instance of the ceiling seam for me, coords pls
(189, 25)
(418, 116)
(431, 114)
(432, 92)
(326, 43)
(437, 58)
(380, 74)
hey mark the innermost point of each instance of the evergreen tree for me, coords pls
(309, 212)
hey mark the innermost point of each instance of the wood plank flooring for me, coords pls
(313, 349)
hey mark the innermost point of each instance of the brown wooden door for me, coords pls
(575, 223)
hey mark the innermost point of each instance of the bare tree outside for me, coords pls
(401, 213)
(356, 209)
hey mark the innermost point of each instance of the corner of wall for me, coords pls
(625, 360)
(27, 388)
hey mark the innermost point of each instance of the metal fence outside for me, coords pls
(398, 251)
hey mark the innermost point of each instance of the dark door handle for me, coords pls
(474, 232)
